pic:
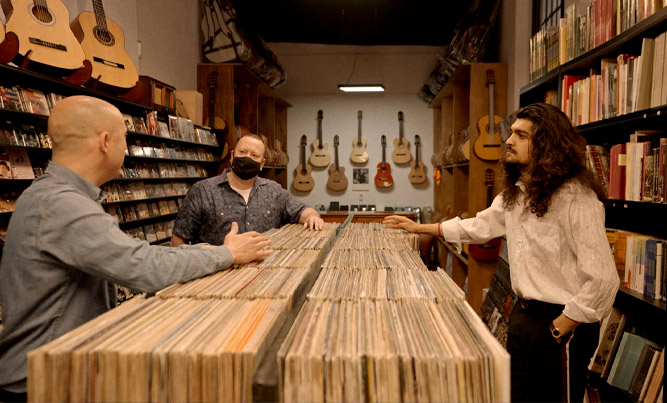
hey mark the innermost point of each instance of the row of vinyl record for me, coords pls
(175, 127)
(629, 361)
(140, 170)
(128, 212)
(635, 170)
(582, 30)
(137, 191)
(621, 85)
(152, 232)
(22, 135)
(139, 148)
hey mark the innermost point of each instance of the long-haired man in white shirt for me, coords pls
(561, 266)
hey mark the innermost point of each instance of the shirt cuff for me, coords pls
(450, 232)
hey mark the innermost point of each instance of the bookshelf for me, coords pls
(163, 171)
(462, 191)
(642, 217)
(246, 103)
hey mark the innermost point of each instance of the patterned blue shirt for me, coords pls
(212, 205)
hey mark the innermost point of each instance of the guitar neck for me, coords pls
(319, 132)
(489, 195)
(359, 133)
(100, 17)
(336, 157)
(302, 158)
(491, 111)
(383, 154)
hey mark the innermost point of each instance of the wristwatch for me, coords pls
(554, 331)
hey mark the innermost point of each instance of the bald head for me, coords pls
(76, 120)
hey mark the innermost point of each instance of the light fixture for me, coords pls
(361, 87)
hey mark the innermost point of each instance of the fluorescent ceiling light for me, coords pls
(361, 87)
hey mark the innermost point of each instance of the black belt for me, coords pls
(534, 306)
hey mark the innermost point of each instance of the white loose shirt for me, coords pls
(562, 257)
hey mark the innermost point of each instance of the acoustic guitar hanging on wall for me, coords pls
(9, 45)
(401, 153)
(417, 173)
(103, 42)
(359, 155)
(337, 180)
(303, 181)
(320, 157)
(488, 145)
(383, 178)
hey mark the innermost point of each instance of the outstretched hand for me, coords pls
(314, 223)
(248, 246)
(400, 222)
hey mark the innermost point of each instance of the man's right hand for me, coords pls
(248, 246)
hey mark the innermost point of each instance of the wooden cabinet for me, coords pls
(462, 191)
(244, 102)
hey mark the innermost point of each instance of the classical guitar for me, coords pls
(401, 153)
(303, 181)
(489, 251)
(9, 45)
(320, 157)
(417, 173)
(359, 155)
(488, 145)
(383, 177)
(337, 179)
(45, 38)
(216, 123)
(103, 42)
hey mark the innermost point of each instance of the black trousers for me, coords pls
(9, 397)
(544, 370)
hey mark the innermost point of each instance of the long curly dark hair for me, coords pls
(559, 154)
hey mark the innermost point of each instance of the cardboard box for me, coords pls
(194, 104)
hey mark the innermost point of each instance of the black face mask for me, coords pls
(245, 167)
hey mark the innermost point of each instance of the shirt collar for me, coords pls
(222, 179)
(74, 179)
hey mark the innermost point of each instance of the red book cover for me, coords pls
(568, 80)
(617, 171)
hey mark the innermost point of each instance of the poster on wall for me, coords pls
(360, 179)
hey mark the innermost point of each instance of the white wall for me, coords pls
(313, 74)
(514, 48)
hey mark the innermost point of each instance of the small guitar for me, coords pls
(488, 145)
(383, 177)
(9, 46)
(401, 153)
(489, 251)
(284, 158)
(44, 35)
(337, 179)
(359, 155)
(216, 123)
(103, 42)
(320, 157)
(417, 173)
(303, 181)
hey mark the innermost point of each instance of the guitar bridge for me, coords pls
(491, 145)
(40, 42)
(109, 63)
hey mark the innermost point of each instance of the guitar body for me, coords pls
(320, 157)
(337, 180)
(488, 145)
(417, 173)
(383, 178)
(401, 153)
(303, 181)
(359, 155)
(44, 35)
(284, 157)
(111, 64)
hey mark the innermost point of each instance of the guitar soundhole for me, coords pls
(42, 14)
(104, 36)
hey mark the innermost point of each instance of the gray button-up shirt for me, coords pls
(62, 255)
(212, 205)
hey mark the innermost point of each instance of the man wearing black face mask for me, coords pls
(239, 195)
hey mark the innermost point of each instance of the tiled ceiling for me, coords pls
(353, 22)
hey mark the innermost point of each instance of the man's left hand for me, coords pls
(313, 222)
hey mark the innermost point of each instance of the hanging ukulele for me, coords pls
(401, 153)
(320, 156)
(488, 145)
(417, 173)
(359, 155)
(337, 180)
(303, 181)
(383, 177)
(489, 251)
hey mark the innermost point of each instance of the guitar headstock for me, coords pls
(359, 115)
(400, 116)
(384, 141)
(336, 141)
(417, 140)
(490, 79)
(304, 140)
(320, 115)
(213, 79)
(490, 176)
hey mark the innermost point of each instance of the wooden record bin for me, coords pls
(462, 191)
(244, 102)
(157, 95)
